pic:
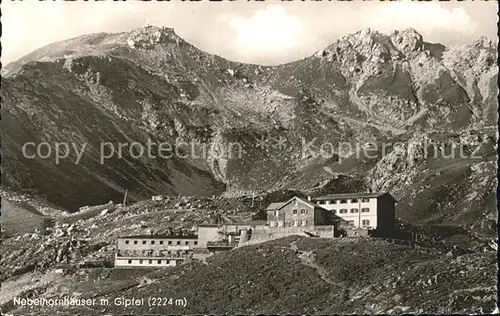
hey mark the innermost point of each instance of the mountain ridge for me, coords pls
(366, 87)
(93, 37)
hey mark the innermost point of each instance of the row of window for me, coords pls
(170, 242)
(302, 212)
(296, 223)
(353, 210)
(342, 211)
(299, 222)
(343, 201)
(295, 212)
(151, 261)
(153, 253)
(364, 222)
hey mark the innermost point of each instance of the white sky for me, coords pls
(268, 32)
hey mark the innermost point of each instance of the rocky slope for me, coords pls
(249, 124)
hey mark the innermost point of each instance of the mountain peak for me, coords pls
(149, 36)
(483, 41)
(407, 40)
(367, 32)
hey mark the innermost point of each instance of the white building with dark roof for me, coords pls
(374, 211)
(154, 250)
(298, 215)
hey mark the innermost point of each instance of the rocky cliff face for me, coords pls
(247, 125)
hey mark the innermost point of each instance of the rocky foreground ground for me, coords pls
(450, 270)
(290, 275)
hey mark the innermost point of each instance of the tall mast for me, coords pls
(359, 212)
(125, 198)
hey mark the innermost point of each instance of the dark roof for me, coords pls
(307, 202)
(250, 223)
(350, 195)
(158, 237)
(274, 206)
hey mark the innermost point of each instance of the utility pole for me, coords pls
(359, 213)
(225, 227)
(125, 198)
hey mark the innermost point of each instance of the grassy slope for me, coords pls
(65, 108)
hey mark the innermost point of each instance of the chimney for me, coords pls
(309, 198)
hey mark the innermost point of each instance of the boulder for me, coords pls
(157, 198)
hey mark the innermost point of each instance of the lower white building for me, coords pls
(154, 250)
